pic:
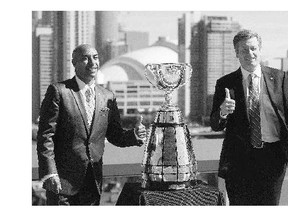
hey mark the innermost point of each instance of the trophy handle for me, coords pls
(147, 68)
(188, 67)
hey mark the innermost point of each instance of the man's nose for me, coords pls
(250, 52)
(92, 61)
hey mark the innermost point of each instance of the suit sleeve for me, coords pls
(115, 133)
(49, 113)
(216, 122)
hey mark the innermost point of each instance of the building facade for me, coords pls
(212, 56)
(70, 29)
(42, 63)
(135, 96)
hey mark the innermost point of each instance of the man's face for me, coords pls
(87, 64)
(249, 54)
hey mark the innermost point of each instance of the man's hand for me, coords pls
(140, 130)
(53, 184)
(228, 106)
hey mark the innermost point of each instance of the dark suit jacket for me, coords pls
(64, 143)
(236, 141)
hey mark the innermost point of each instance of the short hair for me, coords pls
(245, 35)
(79, 50)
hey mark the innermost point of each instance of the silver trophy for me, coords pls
(169, 161)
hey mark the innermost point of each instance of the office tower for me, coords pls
(184, 38)
(212, 56)
(70, 29)
(42, 74)
(47, 18)
(107, 34)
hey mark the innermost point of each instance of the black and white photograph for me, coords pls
(152, 106)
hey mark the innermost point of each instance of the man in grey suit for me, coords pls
(252, 104)
(75, 118)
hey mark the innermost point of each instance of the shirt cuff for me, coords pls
(48, 176)
(137, 137)
(223, 116)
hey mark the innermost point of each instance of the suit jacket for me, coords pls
(237, 135)
(65, 145)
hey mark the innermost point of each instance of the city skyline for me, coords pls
(271, 25)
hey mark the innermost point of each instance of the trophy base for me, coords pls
(164, 186)
(169, 107)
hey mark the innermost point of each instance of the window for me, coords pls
(144, 103)
(131, 111)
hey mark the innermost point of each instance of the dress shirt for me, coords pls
(83, 87)
(270, 132)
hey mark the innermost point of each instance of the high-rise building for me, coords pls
(70, 29)
(184, 38)
(107, 34)
(42, 74)
(212, 56)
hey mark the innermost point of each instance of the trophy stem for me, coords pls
(168, 98)
(168, 105)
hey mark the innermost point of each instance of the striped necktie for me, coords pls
(90, 104)
(254, 111)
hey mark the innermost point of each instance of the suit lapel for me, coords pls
(98, 103)
(79, 101)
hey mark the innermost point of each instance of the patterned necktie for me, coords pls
(254, 111)
(90, 104)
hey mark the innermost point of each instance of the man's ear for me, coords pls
(74, 62)
(236, 52)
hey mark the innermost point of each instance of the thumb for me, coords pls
(227, 93)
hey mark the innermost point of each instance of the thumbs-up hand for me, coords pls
(140, 130)
(228, 105)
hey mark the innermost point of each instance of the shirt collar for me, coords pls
(83, 85)
(246, 73)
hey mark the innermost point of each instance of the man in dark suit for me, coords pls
(75, 118)
(252, 104)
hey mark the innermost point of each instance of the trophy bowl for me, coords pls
(168, 77)
(169, 161)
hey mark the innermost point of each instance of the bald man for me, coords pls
(75, 118)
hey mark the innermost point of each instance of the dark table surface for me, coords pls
(197, 194)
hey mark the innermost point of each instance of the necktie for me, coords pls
(254, 111)
(90, 104)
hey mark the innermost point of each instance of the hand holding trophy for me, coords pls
(169, 160)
